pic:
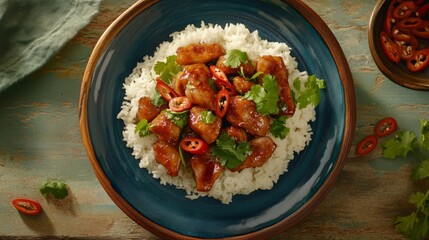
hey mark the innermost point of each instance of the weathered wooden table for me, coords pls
(40, 138)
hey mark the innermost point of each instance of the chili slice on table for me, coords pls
(366, 145)
(194, 145)
(389, 47)
(166, 91)
(385, 127)
(27, 206)
(179, 104)
(222, 103)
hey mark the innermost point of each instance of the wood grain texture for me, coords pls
(40, 138)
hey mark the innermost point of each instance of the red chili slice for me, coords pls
(385, 127)
(218, 73)
(405, 35)
(419, 61)
(179, 104)
(411, 22)
(422, 31)
(166, 91)
(27, 206)
(404, 10)
(389, 47)
(194, 145)
(221, 80)
(423, 10)
(222, 103)
(366, 145)
(406, 51)
(389, 20)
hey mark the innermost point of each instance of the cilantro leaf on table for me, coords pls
(422, 171)
(278, 127)
(310, 93)
(168, 69)
(424, 133)
(230, 153)
(265, 96)
(415, 225)
(404, 143)
(142, 128)
(235, 57)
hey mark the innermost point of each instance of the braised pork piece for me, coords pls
(210, 96)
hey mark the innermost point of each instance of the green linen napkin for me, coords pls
(31, 31)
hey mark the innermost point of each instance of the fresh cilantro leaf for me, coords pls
(182, 158)
(424, 133)
(230, 153)
(253, 78)
(168, 69)
(143, 128)
(404, 143)
(265, 96)
(235, 57)
(415, 225)
(157, 99)
(310, 94)
(178, 118)
(422, 171)
(405, 225)
(207, 117)
(278, 128)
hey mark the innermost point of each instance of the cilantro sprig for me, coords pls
(142, 128)
(414, 225)
(178, 118)
(168, 69)
(265, 96)
(401, 145)
(230, 153)
(208, 117)
(310, 93)
(278, 127)
(235, 58)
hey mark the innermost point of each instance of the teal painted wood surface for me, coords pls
(40, 139)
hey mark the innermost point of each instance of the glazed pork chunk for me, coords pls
(248, 68)
(236, 133)
(164, 129)
(262, 149)
(242, 113)
(147, 110)
(168, 155)
(206, 171)
(198, 53)
(208, 132)
(275, 66)
(193, 82)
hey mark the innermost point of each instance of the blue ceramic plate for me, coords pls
(164, 210)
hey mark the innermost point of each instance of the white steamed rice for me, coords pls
(233, 36)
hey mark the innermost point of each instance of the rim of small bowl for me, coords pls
(297, 216)
(395, 72)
